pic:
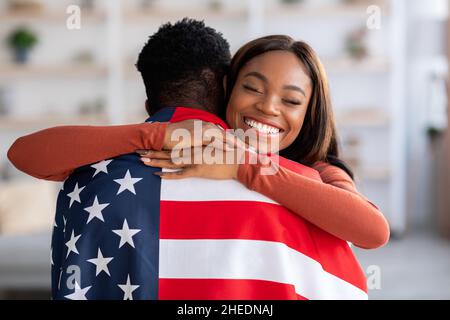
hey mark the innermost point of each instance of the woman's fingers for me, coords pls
(187, 172)
(153, 154)
(177, 158)
(197, 133)
(162, 163)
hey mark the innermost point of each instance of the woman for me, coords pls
(275, 85)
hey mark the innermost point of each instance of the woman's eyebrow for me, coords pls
(295, 88)
(257, 75)
(264, 79)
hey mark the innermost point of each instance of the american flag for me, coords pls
(121, 232)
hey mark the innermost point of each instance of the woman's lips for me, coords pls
(262, 126)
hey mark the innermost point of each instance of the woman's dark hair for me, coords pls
(317, 140)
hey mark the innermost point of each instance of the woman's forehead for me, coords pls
(277, 65)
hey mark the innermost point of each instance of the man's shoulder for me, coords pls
(122, 178)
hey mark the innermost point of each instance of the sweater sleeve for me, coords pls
(53, 154)
(334, 205)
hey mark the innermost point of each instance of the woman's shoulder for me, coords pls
(333, 175)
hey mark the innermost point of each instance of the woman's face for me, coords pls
(271, 95)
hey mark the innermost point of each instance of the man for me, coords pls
(114, 254)
(123, 233)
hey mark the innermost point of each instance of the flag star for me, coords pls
(75, 194)
(54, 224)
(65, 222)
(95, 211)
(78, 294)
(101, 166)
(128, 289)
(51, 256)
(101, 263)
(126, 234)
(71, 244)
(127, 183)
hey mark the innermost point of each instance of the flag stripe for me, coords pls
(197, 189)
(259, 221)
(183, 113)
(230, 289)
(252, 259)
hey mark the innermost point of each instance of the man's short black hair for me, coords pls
(184, 62)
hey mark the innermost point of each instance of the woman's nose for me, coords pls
(268, 107)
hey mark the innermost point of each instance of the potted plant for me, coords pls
(22, 40)
(356, 44)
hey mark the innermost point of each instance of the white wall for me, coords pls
(426, 53)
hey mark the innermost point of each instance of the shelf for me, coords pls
(47, 16)
(340, 66)
(20, 123)
(362, 121)
(324, 11)
(204, 13)
(137, 15)
(52, 71)
(349, 65)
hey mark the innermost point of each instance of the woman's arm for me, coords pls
(53, 153)
(335, 205)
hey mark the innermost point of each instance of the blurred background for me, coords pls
(387, 62)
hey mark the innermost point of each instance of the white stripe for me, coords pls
(252, 259)
(198, 189)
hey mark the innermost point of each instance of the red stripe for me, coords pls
(259, 221)
(183, 113)
(230, 289)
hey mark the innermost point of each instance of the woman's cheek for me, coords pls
(231, 116)
(293, 133)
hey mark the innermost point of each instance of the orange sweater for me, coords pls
(334, 205)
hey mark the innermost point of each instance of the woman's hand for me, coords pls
(197, 133)
(201, 162)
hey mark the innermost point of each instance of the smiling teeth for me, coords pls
(261, 127)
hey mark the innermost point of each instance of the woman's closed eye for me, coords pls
(251, 88)
(292, 102)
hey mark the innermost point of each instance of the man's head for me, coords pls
(184, 64)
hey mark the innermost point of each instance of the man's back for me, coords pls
(106, 231)
(130, 234)
(113, 215)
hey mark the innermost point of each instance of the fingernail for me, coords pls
(142, 152)
(147, 160)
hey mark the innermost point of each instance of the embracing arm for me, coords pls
(335, 205)
(53, 153)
